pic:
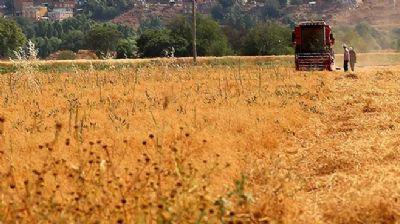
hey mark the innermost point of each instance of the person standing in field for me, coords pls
(353, 58)
(346, 58)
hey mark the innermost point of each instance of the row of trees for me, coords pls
(175, 38)
(75, 34)
(152, 39)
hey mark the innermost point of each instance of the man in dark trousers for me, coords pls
(353, 58)
(346, 58)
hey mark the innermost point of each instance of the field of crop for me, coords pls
(226, 141)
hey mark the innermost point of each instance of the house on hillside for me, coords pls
(59, 14)
(34, 12)
(54, 4)
(37, 9)
(65, 4)
(61, 9)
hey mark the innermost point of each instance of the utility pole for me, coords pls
(194, 31)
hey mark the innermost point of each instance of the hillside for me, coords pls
(379, 13)
(164, 12)
(256, 9)
(135, 16)
(383, 14)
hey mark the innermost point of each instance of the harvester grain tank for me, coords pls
(313, 41)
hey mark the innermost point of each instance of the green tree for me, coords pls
(106, 9)
(11, 37)
(27, 26)
(271, 9)
(155, 43)
(58, 29)
(80, 22)
(74, 41)
(126, 31)
(126, 48)
(227, 3)
(103, 39)
(218, 12)
(235, 19)
(44, 28)
(151, 23)
(47, 45)
(268, 39)
(211, 40)
(9, 6)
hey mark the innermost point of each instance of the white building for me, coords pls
(59, 14)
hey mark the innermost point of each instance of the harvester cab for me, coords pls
(313, 41)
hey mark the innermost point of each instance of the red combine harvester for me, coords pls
(313, 41)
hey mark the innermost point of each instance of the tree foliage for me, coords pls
(268, 39)
(177, 39)
(106, 9)
(73, 40)
(103, 39)
(155, 43)
(126, 48)
(232, 29)
(11, 37)
(211, 40)
(151, 23)
(46, 45)
(70, 34)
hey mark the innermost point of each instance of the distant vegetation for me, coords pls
(228, 30)
(11, 37)
(75, 34)
(106, 9)
(153, 39)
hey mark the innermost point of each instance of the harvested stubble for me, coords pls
(200, 144)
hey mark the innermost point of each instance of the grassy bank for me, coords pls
(54, 66)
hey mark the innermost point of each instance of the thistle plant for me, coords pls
(25, 66)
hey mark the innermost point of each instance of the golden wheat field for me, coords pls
(245, 142)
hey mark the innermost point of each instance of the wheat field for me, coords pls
(248, 142)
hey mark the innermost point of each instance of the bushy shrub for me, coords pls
(66, 55)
